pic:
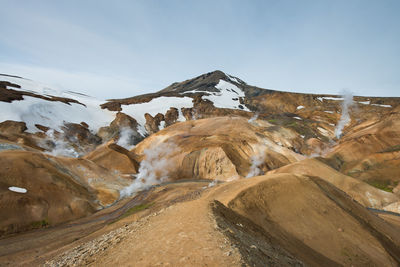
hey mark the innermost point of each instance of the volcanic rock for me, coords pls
(12, 127)
(171, 116)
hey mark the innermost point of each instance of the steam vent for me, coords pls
(210, 170)
(199, 133)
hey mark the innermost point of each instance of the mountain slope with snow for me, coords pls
(191, 153)
(34, 110)
(53, 114)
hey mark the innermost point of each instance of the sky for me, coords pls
(116, 49)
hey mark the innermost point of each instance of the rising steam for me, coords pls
(59, 147)
(257, 160)
(126, 136)
(345, 118)
(255, 116)
(154, 169)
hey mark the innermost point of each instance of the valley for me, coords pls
(209, 171)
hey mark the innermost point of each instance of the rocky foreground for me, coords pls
(210, 172)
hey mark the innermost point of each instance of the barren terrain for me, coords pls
(210, 171)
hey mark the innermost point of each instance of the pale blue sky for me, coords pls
(113, 49)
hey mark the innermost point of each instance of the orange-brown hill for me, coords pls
(276, 219)
(221, 148)
(58, 189)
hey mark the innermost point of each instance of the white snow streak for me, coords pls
(17, 189)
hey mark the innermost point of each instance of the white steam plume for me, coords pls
(61, 147)
(154, 169)
(256, 161)
(126, 135)
(322, 152)
(255, 116)
(345, 118)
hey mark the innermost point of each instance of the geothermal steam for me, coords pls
(255, 116)
(60, 146)
(256, 161)
(126, 135)
(153, 169)
(345, 118)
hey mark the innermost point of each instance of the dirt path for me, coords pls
(35, 247)
(181, 227)
(184, 234)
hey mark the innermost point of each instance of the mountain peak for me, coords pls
(215, 74)
(204, 82)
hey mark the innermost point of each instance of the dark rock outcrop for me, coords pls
(171, 116)
(12, 127)
(10, 95)
(76, 132)
(118, 125)
(152, 123)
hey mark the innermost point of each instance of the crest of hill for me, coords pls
(204, 84)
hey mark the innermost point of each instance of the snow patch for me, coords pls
(299, 107)
(162, 125)
(195, 91)
(333, 98)
(297, 118)
(31, 86)
(380, 105)
(330, 98)
(233, 79)
(228, 97)
(53, 114)
(17, 189)
(157, 105)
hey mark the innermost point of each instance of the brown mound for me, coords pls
(58, 189)
(12, 127)
(114, 158)
(281, 220)
(230, 141)
(53, 196)
(208, 163)
(256, 246)
(368, 138)
(14, 132)
(304, 213)
(379, 169)
(362, 192)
